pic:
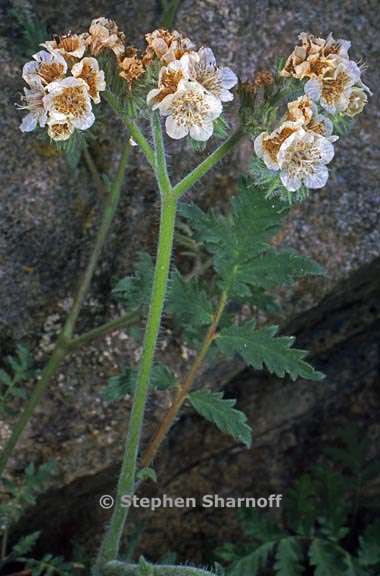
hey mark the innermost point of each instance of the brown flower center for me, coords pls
(60, 129)
(52, 71)
(272, 144)
(71, 102)
(190, 109)
(333, 89)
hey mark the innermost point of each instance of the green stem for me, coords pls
(62, 346)
(188, 181)
(134, 130)
(126, 485)
(106, 328)
(121, 569)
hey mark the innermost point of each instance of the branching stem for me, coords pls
(183, 390)
(127, 479)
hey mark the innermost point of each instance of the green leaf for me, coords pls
(369, 545)
(302, 507)
(260, 527)
(147, 474)
(189, 304)
(135, 291)
(252, 563)
(262, 347)
(25, 544)
(162, 377)
(120, 385)
(276, 268)
(288, 561)
(326, 558)
(221, 411)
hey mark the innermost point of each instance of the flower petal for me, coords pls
(291, 183)
(228, 78)
(318, 178)
(202, 133)
(313, 89)
(174, 130)
(29, 122)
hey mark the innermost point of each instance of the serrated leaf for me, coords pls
(261, 347)
(25, 544)
(162, 377)
(288, 559)
(369, 545)
(221, 411)
(326, 558)
(135, 291)
(302, 508)
(118, 386)
(189, 304)
(147, 474)
(260, 527)
(273, 268)
(252, 563)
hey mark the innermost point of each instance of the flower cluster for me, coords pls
(64, 80)
(333, 79)
(191, 87)
(301, 146)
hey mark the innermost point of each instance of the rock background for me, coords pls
(48, 214)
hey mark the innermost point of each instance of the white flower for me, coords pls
(302, 159)
(202, 68)
(333, 91)
(168, 80)
(47, 66)
(59, 130)
(190, 110)
(68, 99)
(358, 100)
(70, 46)
(267, 146)
(88, 70)
(33, 98)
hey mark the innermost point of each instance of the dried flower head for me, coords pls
(60, 130)
(167, 46)
(358, 100)
(105, 34)
(69, 99)
(302, 159)
(131, 67)
(88, 70)
(263, 78)
(71, 46)
(315, 57)
(305, 112)
(46, 66)
(190, 110)
(201, 67)
(168, 80)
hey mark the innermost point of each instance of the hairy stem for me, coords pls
(106, 328)
(183, 390)
(126, 485)
(121, 569)
(188, 181)
(62, 346)
(134, 130)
